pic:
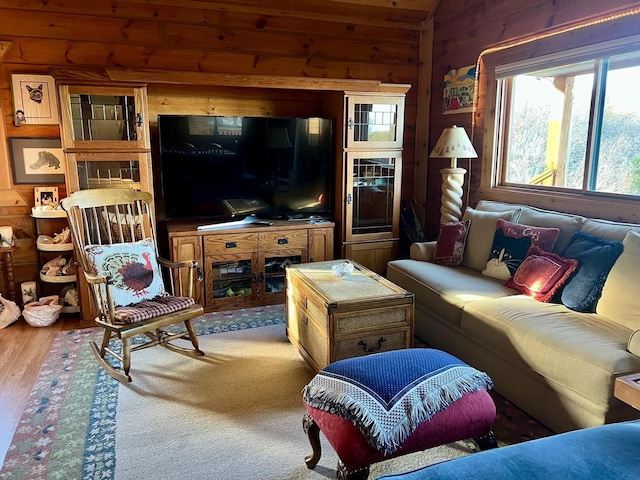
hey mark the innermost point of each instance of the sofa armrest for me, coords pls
(633, 345)
(422, 251)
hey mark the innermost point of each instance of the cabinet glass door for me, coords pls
(104, 117)
(274, 268)
(373, 194)
(374, 122)
(108, 170)
(229, 280)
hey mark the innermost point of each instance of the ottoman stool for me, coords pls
(384, 405)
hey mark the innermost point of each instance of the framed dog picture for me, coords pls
(34, 99)
(37, 160)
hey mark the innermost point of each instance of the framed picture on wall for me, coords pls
(37, 160)
(34, 99)
(45, 196)
(459, 90)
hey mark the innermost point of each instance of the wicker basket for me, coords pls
(42, 313)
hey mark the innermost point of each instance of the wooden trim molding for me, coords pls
(150, 76)
(238, 80)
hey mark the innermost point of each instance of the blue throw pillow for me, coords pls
(595, 257)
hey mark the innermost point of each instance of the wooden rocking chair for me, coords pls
(114, 235)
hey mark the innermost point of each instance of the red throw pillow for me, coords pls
(541, 274)
(451, 243)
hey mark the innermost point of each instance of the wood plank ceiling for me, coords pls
(405, 13)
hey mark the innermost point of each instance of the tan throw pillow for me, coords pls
(480, 239)
(617, 302)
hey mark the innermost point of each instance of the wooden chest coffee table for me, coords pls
(329, 319)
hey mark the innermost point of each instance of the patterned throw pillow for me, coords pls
(511, 243)
(131, 267)
(451, 243)
(596, 256)
(541, 274)
(481, 232)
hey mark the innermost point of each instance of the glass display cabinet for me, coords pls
(105, 138)
(372, 194)
(369, 169)
(104, 117)
(374, 122)
(105, 134)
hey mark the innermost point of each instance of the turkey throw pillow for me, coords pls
(132, 269)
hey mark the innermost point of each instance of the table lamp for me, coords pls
(453, 143)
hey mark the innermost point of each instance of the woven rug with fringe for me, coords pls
(233, 414)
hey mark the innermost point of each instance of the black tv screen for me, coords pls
(221, 167)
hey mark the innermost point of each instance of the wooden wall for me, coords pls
(75, 34)
(463, 29)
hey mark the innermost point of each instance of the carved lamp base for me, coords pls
(451, 199)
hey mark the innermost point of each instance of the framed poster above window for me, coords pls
(37, 160)
(34, 99)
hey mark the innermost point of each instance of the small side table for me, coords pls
(6, 258)
(627, 389)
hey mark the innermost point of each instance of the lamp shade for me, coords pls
(454, 143)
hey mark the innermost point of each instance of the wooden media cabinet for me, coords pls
(244, 266)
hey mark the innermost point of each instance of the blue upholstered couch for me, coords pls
(606, 452)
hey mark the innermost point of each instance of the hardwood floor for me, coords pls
(23, 348)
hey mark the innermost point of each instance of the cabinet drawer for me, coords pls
(309, 336)
(376, 317)
(283, 240)
(236, 243)
(310, 306)
(372, 343)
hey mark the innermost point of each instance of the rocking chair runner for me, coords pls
(114, 234)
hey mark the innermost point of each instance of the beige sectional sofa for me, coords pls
(557, 364)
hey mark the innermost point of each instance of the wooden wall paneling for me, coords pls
(278, 22)
(489, 24)
(62, 52)
(152, 34)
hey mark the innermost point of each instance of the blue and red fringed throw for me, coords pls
(388, 395)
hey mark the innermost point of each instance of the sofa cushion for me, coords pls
(608, 229)
(451, 243)
(541, 274)
(566, 222)
(511, 243)
(617, 303)
(483, 228)
(446, 289)
(580, 351)
(595, 256)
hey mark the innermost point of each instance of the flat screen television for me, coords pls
(222, 167)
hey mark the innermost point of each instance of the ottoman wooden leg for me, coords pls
(343, 473)
(312, 430)
(486, 442)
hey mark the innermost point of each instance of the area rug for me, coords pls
(235, 413)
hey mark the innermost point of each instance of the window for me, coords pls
(571, 121)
